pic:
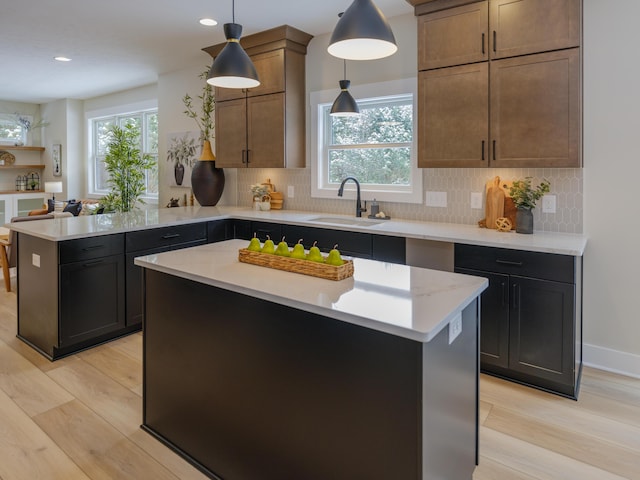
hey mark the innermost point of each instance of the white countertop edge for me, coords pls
(545, 242)
(411, 334)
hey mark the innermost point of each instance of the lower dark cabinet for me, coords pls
(92, 299)
(531, 327)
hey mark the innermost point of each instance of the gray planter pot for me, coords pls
(524, 220)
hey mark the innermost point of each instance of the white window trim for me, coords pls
(121, 110)
(368, 192)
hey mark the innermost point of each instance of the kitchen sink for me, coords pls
(360, 222)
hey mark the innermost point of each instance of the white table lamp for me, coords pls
(53, 187)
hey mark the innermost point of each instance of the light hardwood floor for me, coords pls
(79, 418)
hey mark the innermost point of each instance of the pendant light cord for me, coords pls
(233, 11)
(345, 68)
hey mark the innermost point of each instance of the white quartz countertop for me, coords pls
(410, 302)
(60, 229)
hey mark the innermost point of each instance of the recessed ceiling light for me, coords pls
(62, 59)
(209, 22)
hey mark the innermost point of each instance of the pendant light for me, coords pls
(233, 68)
(344, 105)
(362, 33)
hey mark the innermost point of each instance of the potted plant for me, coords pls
(524, 197)
(207, 181)
(182, 153)
(126, 166)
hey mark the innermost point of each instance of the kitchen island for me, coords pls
(257, 373)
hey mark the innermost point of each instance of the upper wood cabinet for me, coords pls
(453, 116)
(265, 126)
(453, 37)
(499, 83)
(494, 29)
(530, 26)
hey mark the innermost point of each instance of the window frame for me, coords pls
(141, 109)
(320, 187)
(11, 119)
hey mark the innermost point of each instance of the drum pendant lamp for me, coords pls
(344, 105)
(362, 33)
(233, 68)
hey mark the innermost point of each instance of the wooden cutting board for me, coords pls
(498, 202)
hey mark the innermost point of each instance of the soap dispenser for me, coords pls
(375, 208)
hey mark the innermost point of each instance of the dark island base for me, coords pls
(246, 389)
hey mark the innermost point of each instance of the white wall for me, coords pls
(611, 173)
(171, 89)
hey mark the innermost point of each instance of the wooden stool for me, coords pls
(4, 257)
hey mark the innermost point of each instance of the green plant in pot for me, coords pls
(126, 166)
(524, 197)
(207, 181)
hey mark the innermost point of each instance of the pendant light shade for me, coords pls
(233, 68)
(362, 33)
(344, 105)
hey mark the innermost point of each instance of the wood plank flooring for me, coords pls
(79, 417)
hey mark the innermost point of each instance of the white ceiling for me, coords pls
(121, 44)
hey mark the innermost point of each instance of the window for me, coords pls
(147, 123)
(376, 147)
(11, 130)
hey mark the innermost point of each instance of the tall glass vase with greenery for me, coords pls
(126, 166)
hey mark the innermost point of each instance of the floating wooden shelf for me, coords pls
(23, 148)
(5, 192)
(21, 167)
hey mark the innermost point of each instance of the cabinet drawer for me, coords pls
(166, 236)
(349, 243)
(546, 266)
(91, 247)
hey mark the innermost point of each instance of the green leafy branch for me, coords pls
(205, 118)
(524, 195)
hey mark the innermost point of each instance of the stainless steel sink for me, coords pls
(360, 222)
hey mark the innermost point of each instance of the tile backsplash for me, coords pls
(566, 184)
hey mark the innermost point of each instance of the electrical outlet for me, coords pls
(548, 204)
(476, 200)
(455, 328)
(436, 199)
(290, 191)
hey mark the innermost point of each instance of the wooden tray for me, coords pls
(295, 265)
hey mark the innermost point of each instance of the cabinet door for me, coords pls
(92, 299)
(266, 125)
(494, 319)
(541, 329)
(531, 26)
(272, 230)
(231, 133)
(455, 36)
(536, 110)
(270, 70)
(453, 116)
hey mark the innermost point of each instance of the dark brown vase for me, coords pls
(207, 182)
(179, 173)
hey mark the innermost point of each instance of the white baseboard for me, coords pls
(611, 360)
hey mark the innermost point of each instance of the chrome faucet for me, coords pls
(359, 207)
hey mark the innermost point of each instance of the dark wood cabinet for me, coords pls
(72, 293)
(531, 326)
(219, 230)
(265, 126)
(506, 92)
(148, 242)
(92, 299)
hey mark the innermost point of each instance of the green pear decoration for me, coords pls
(268, 246)
(298, 251)
(314, 254)
(283, 249)
(254, 244)
(334, 257)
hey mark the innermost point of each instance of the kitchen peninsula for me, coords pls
(257, 373)
(79, 285)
